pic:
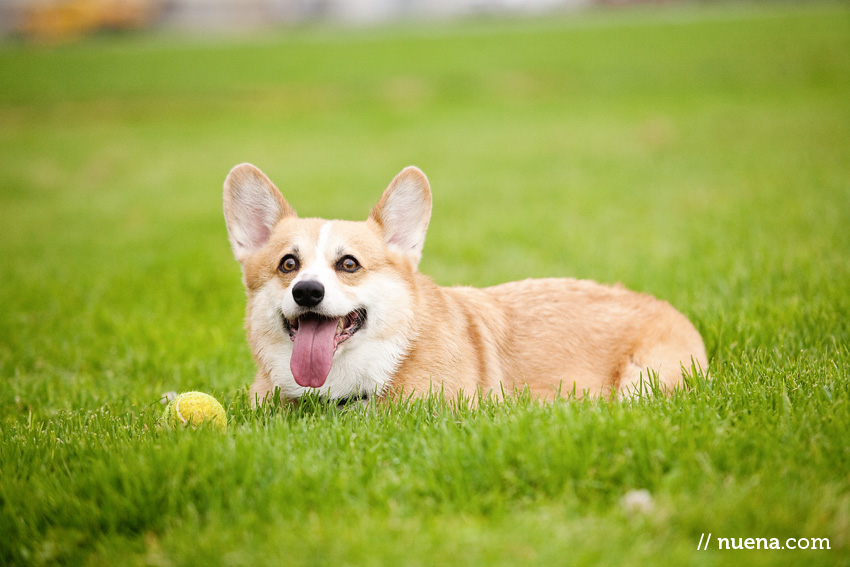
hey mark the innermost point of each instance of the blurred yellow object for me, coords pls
(195, 409)
(58, 20)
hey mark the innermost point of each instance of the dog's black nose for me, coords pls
(308, 293)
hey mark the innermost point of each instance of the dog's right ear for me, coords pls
(403, 213)
(252, 208)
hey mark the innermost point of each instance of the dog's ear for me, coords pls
(252, 208)
(403, 213)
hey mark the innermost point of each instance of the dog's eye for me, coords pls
(289, 263)
(348, 264)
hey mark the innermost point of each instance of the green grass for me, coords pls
(701, 154)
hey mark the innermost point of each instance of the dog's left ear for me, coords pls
(252, 208)
(403, 213)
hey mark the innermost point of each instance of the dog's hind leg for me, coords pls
(669, 348)
(660, 371)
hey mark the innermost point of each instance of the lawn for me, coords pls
(698, 153)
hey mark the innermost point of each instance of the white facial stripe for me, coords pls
(318, 268)
(337, 301)
(324, 235)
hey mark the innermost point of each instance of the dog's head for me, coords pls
(330, 303)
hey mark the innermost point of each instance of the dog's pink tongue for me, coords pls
(313, 351)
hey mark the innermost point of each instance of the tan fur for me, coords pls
(551, 336)
(548, 336)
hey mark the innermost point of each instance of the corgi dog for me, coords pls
(339, 308)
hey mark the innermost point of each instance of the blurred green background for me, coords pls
(699, 152)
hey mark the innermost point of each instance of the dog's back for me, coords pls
(549, 336)
(567, 333)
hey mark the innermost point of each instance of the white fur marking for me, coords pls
(324, 236)
(320, 269)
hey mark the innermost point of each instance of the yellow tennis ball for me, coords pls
(192, 409)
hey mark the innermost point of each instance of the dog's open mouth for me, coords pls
(315, 339)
